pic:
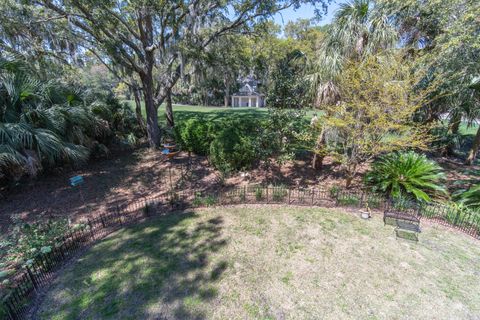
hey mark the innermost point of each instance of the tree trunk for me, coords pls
(145, 23)
(169, 109)
(453, 127)
(351, 173)
(227, 93)
(472, 155)
(319, 154)
(138, 108)
(153, 130)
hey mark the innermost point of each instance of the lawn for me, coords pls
(183, 112)
(259, 262)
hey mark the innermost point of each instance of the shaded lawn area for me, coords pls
(258, 262)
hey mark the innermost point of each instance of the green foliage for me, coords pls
(289, 86)
(374, 201)
(48, 123)
(407, 174)
(376, 113)
(279, 193)
(235, 144)
(471, 197)
(232, 149)
(258, 193)
(27, 240)
(282, 134)
(334, 191)
(195, 135)
(348, 199)
(200, 200)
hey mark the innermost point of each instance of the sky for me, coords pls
(306, 12)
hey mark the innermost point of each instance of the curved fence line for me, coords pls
(38, 272)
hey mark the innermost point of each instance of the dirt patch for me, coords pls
(137, 174)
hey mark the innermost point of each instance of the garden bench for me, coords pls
(406, 234)
(407, 226)
(400, 216)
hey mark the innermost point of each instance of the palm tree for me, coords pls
(357, 31)
(40, 123)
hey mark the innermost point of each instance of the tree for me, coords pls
(357, 32)
(443, 39)
(375, 114)
(153, 39)
(298, 30)
(288, 82)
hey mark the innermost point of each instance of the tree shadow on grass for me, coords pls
(163, 269)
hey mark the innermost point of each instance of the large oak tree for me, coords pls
(151, 39)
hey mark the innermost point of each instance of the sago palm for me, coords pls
(407, 175)
(471, 197)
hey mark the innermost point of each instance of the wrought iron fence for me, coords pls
(39, 271)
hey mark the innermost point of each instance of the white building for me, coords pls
(248, 95)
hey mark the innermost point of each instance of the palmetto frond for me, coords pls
(358, 31)
(10, 157)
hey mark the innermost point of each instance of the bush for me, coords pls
(258, 193)
(407, 174)
(195, 135)
(334, 191)
(29, 239)
(279, 193)
(232, 149)
(348, 199)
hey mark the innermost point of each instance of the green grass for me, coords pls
(183, 112)
(269, 262)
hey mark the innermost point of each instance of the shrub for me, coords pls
(195, 135)
(232, 149)
(198, 199)
(333, 191)
(29, 239)
(279, 193)
(210, 200)
(258, 193)
(348, 200)
(407, 174)
(374, 201)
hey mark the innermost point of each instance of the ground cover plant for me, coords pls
(269, 262)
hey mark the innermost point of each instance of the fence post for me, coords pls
(313, 195)
(289, 194)
(267, 194)
(119, 215)
(91, 228)
(32, 278)
(101, 219)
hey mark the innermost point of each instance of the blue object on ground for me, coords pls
(165, 151)
(76, 180)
